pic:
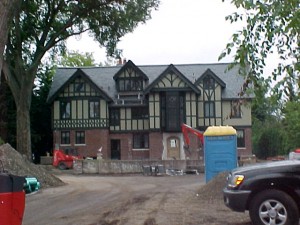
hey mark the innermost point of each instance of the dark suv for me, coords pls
(270, 191)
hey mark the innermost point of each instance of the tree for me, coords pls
(7, 10)
(73, 59)
(272, 27)
(40, 113)
(292, 124)
(43, 27)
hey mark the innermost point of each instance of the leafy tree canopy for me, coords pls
(74, 59)
(272, 27)
(43, 26)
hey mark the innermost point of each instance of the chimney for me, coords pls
(120, 61)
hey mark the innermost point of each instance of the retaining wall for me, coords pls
(132, 166)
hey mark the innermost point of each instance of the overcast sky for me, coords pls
(180, 32)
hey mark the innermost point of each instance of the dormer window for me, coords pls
(78, 87)
(130, 84)
(208, 82)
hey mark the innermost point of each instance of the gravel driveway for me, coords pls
(129, 200)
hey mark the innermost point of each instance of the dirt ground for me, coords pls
(67, 199)
(131, 200)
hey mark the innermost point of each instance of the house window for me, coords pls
(114, 117)
(236, 109)
(140, 140)
(79, 87)
(172, 110)
(139, 113)
(94, 108)
(79, 137)
(240, 138)
(208, 83)
(132, 84)
(65, 109)
(209, 109)
(65, 137)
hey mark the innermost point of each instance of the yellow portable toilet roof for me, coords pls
(219, 131)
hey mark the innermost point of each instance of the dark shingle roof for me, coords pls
(103, 77)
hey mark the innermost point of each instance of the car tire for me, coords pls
(62, 166)
(273, 207)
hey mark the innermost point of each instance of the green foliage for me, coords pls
(292, 124)
(43, 26)
(74, 59)
(272, 27)
(268, 138)
(40, 113)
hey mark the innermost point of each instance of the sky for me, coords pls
(180, 32)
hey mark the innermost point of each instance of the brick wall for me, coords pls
(156, 145)
(94, 139)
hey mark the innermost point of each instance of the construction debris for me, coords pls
(14, 163)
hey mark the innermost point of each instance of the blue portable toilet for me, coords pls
(220, 150)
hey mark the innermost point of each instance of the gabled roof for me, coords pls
(130, 64)
(103, 77)
(69, 78)
(172, 69)
(208, 72)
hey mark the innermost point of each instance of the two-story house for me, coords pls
(136, 112)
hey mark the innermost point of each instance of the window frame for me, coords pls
(94, 114)
(208, 83)
(64, 108)
(65, 138)
(114, 117)
(138, 113)
(208, 111)
(125, 84)
(140, 140)
(235, 112)
(241, 142)
(80, 137)
(79, 87)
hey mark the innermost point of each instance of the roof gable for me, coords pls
(208, 72)
(128, 67)
(171, 77)
(79, 74)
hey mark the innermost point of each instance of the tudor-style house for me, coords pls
(136, 112)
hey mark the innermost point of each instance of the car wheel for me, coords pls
(273, 207)
(62, 166)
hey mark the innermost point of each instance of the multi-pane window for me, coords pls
(240, 138)
(79, 87)
(236, 109)
(130, 84)
(94, 109)
(139, 113)
(172, 110)
(140, 140)
(114, 117)
(65, 137)
(209, 109)
(79, 137)
(208, 82)
(65, 109)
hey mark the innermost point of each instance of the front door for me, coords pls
(115, 149)
(173, 147)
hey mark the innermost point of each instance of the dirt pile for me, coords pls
(16, 164)
(213, 190)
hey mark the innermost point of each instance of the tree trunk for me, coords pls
(22, 92)
(6, 14)
(23, 129)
